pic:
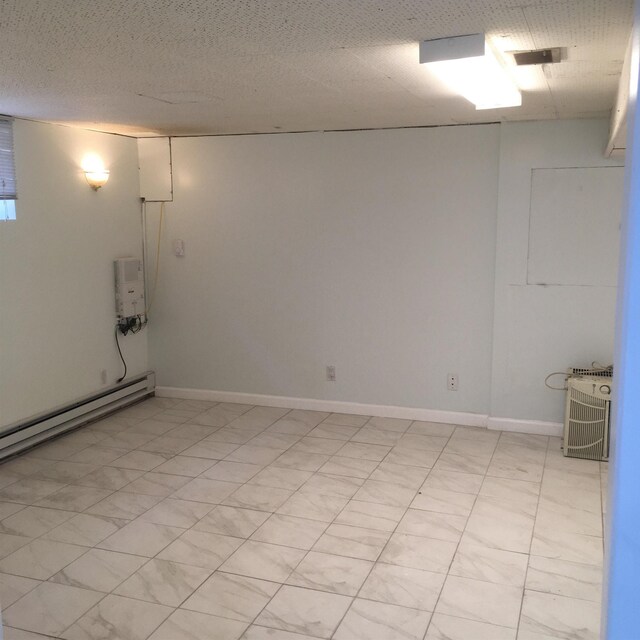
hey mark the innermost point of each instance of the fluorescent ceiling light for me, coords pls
(469, 66)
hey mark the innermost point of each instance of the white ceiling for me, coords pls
(184, 67)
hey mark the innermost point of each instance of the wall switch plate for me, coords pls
(452, 381)
(178, 248)
(331, 373)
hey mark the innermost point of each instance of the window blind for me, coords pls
(7, 168)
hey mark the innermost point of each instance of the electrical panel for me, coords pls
(129, 287)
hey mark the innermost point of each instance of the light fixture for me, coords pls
(94, 171)
(469, 66)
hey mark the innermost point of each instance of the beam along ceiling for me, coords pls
(182, 67)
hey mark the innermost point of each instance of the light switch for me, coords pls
(178, 247)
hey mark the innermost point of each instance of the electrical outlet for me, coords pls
(331, 373)
(103, 376)
(452, 381)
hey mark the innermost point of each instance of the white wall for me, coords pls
(543, 328)
(56, 271)
(372, 251)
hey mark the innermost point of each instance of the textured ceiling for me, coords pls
(184, 67)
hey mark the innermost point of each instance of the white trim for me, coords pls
(536, 427)
(335, 406)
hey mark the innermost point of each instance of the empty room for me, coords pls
(319, 319)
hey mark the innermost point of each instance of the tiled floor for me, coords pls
(177, 520)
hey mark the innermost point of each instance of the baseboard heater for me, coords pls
(27, 433)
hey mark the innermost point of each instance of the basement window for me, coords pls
(8, 192)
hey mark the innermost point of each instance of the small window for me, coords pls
(8, 193)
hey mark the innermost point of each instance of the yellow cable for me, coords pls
(155, 278)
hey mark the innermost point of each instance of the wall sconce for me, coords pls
(94, 172)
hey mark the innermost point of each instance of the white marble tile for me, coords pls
(124, 505)
(232, 471)
(562, 578)
(373, 435)
(168, 444)
(400, 474)
(281, 478)
(222, 414)
(453, 481)
(499, 524)
(98, 454)
(73, 498)
(326, 572)
(489, 565)
(189, 625)
(559, 617)
(176, 513)
(156, 484)
(313, 507)
(385, 493)
(370, 515)
(301, 460)
(141, 538)
(99, 570)
(65, 471)
(192, 429)
(470, 447)
(333, 431)
(210, 450)
(203, 490)
(354, 542)
(367, 620)
(251, 496)
(481, 601)
(512, 466)
(141, 460)
(185, 466)
(431, 429)
(412, 457)
(324, 446)
(29, 490)
(153, 427)
(12, 588)
(9, 508)
(568, 519)
(549, 543)
(9, 544)
(351, 467)
(260, 417)
(255, 632)
(364, 451)
(200, 549)
(429, 524)
(449, 628)
(480, 434)
(403, 586)
(254, 455)
(24, 466)
(126, 440)
(444, 501)
(163, 582)
(290, 531)
(233, 435)
(462, 463)
(396, 425)
(34, 521)
(11, 633)
(298, 421)
(331, 485)
(232, 521)
(419, 553)
(524, 440)
(509, 489)
(232, 596)
(347, 419)
(305, 611)
(50, 608)
(109, 478)
(40, 559)
(418, 442)
(263, 561)
(118, 618)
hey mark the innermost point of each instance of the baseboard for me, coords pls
(334, 406)
(536, 427)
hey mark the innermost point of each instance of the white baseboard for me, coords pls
(383, 411)
(334, 406)
(536, 427)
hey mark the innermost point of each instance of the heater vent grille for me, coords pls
(539, 56)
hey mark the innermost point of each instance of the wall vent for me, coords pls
(540, 56)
